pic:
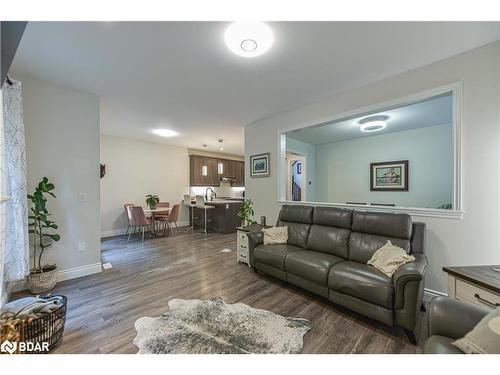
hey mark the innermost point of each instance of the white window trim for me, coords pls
(456, 89)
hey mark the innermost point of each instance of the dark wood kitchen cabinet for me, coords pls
(236, 170)
(195, 171)
(232, 170)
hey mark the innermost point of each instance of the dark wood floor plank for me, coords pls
(103, 308)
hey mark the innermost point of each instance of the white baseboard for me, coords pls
(122, 231)
(434, 293)
(71, 273)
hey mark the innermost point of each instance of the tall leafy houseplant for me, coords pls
(245, 213)
(152, 201)
(44, 234)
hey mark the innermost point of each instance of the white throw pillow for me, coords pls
(275, 235)
(389, 258)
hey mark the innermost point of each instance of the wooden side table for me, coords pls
(242, 241)
(479, 285)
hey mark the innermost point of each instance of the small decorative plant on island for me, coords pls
(152, 201)
(245, 213)
(42, 278)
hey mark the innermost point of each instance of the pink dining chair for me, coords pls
(162, 205)
(138, 220)
(127, 214)
(172, 217)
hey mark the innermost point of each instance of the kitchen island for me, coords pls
(222, 219)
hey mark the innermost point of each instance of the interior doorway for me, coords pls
(296, 177)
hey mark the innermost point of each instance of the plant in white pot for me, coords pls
(42, 278)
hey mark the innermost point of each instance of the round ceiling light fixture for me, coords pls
(373, 124)
(165, 132)
(249, 39)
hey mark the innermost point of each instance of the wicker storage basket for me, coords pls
(43, 281)
(48, 328)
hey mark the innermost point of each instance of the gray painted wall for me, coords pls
(62, 143)
(472, 240)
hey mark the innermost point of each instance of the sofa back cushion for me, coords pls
(329, 240)
(371, 231)
(298, 219)
(333, 217)
(330, 231)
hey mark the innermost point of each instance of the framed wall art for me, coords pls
(389, 176)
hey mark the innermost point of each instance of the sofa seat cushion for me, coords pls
(274, 255)
(362, 281)
(311, 265)
(440, 345)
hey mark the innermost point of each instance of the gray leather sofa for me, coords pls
(327, 252)
(450, 320)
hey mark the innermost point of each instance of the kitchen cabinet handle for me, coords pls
(492, 304)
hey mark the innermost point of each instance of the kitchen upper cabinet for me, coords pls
(213, 178)
(232, 169)
(236, 170)
(196, 177)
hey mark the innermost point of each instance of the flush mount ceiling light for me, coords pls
(249, 39)
(165, 132)
(373, 124)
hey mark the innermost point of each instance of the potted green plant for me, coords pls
(152, 201)
(245, 213)
(42, 277)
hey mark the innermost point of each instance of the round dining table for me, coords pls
(153, 212)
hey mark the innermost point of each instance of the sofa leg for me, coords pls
(411, 336)
(422, 307)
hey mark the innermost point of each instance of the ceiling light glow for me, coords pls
(249, 39)
(165, 132)
(373, 124)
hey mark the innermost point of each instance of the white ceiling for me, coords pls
(181, 76)
(432, 112)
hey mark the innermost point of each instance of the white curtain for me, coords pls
(14, 212)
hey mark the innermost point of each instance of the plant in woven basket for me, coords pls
(245, 213)
(152, 201)
(44, 234)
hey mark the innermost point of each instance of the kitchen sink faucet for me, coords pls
(212, 195)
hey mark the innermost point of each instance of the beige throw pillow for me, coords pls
(275, 235)
(389, 258)
(484, 338)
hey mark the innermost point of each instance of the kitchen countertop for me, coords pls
(223, 201)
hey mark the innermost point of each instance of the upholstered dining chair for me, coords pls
(127, 215)
(172, 217)
(162, 205)
(138, 220)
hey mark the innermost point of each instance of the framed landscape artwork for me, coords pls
(260, 165)
(389, 176)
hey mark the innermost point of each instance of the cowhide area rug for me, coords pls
(214, 327)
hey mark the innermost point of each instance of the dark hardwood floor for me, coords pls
(102, 308)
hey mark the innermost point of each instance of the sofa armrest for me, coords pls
(411, 274)
(410, 271)
(454, 319)
(254, 239)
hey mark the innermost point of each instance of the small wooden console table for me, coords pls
(479, 285)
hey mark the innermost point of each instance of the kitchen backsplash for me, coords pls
(224, 190)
